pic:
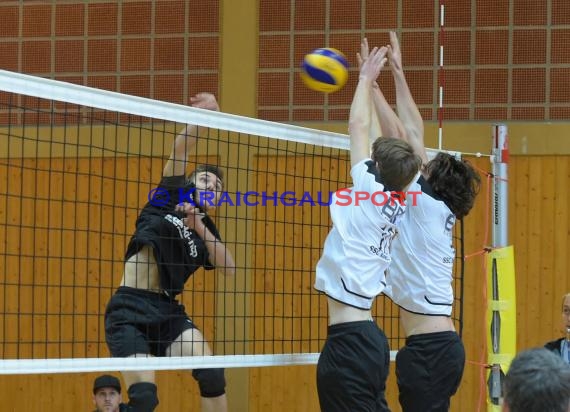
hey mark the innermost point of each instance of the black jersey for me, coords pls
(178, 250)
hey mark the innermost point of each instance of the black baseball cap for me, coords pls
(106, 381)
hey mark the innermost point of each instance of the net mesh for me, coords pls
(76, 167)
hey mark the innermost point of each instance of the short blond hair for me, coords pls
(564, 299)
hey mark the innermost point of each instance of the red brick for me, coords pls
(418, 14)
(204, 16)
(310, 14)
(136, 85)
(560, 12)
(203, 53)
(135, 54)
(274, 16)
(36, 21)
(527, 113)
(302, 95)
(69, 55)
(344, 96)
(273, 89)
(169, 88)
(9, 53)
(103, 82)
(169, 54)
(36, 57)
(276, 115)
(529, 47)
(530, 12)
(347, 44)
(455, 113)
(492, 13)
(308, 115)
(529, 85)
(306, 43)
(169, 17)
(560, 113)
(560, 43)
(9, 18)
(345, 14)
(457, 48)
(560, 85)
(491, 47)
(457, 13)
(203, 83)
(136, 18)
(273, 51)
(102, 55)
(102, 19)
(421, 85)
(69, 19)
(490, 113)
(417, 49)
(339, 114)
(491, 86)
(457, 86)
(385, 17)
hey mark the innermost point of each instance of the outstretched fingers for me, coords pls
(394, 53)
(373, 64)
(364, 52)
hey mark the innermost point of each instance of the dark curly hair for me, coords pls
(454, 181)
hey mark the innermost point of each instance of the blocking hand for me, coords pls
(205, 101)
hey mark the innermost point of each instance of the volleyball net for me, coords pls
(76, 167)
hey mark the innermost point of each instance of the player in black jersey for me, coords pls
(174, 237)
(430, 365)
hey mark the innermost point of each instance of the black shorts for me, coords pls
(140, 321)
(429, 369)
(353, 368)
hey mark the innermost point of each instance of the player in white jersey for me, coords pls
(430, 365)
(354, 363)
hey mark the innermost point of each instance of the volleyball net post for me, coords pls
(501, 293)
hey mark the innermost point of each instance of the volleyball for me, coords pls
(324, 70)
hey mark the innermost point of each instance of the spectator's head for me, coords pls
(107, 393)
(566, 312)
(537, 381)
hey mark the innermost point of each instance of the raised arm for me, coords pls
(186, 139)
(407, 110)
(390, 124)
(361, 108)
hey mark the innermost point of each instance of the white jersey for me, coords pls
(357, 249)
(419, 278)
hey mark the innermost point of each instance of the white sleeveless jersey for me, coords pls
(419, 278)
(357, 249)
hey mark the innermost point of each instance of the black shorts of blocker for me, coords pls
(353, 368)
(429, 369)
(140, 321)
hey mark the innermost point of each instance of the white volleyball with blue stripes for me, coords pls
(324, 70)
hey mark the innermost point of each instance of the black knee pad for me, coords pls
(211, 382)
(142, 397)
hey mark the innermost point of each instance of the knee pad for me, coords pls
(142, 397)
(211, 382)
